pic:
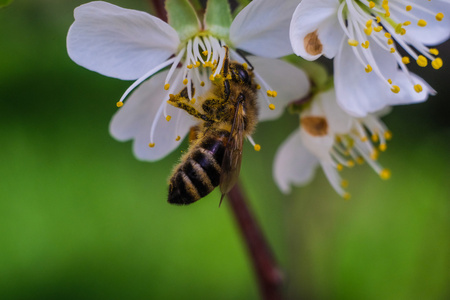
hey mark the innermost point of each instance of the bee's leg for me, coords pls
(182, 101)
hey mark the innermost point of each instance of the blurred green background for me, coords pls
(80, 218)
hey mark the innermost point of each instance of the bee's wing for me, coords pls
(232, 158)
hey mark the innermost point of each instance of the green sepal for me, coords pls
(241, 5)
(218, 18)
(183, 18)
(4, 3)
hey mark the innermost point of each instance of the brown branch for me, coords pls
(160, 9)
(270, 278)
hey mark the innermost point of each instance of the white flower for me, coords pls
(330, 137)
(133, 45)
(363, 37)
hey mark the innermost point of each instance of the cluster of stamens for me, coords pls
(361, 19)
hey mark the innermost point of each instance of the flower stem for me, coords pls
(270, 278)
(160, 9)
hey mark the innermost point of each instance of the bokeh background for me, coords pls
(81, 218)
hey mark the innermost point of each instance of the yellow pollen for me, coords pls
(178, 138)
(271, 93)
(422, 23)
(368, 69)
(271, 106)
(378, 28)
(205, 52)
(168, 118)
(166, 86)
(387, 14)
(193, 100)
(344, 183)
(190, 66)
(390, 81)
(371, 4)
(439, 16)
(151, 145)
(245, 66)
(390, 41)
(363, 139)
(258, 87)
(368, 30)
(392, 50)
(388, 35)
(405, 60)
(353, 43)
(406, 23)
(185, 81)
(202, 83)
(418, 88)
(383, 147)
(257, 147)
(365, 45)
(360, 160)
(197, 64)
(408, 7)
(374, 155)
(119, 104)
(374, 137)
(218, 76)
(388, 135)
(369, 23)
(422, 61)
(339, 167)
(211, 77)
(385, 174)
(437, 63)
(398, 28)
(395, 89)
(378, 19)
(350, 163)
(346, 196)
(434, 51)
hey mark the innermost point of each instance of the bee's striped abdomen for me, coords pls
(199, 173)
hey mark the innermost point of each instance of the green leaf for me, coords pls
(183, 18)
(4, 3)
(218, 18)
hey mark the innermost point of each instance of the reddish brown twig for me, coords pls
(160, 9)
(270, 278)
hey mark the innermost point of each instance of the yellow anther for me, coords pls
(374, 155)
(387, 14)
(193, 100)
(408, 7)
(437, 63)
(385, 174)
(371, 4)
(390, 41)
(211, 77)
(398, 28)
(378, 28)
(422, 23)
(166, 86)
(390, 81)
(346, 196)
(168, 118)
(339, 167)
(392, 50)
(205, 52)
(368, 69)
(338, 139)
(151, 145)
(382, 147)
(352, 42)
(369, 23)
(190, 66)
(374, 137)
(202, 83)
(218, 76)
(364, 139)
(350, 163)
(395, 89)
(257, 147)
(368, 30)
(274, 93)
(405, 60)
(418, 88)
(365, 45)
(359, 160)
(245, 66)
(344, 183)
(197, 64)
(403, 31)
(406, 23)
(388, 135)
(178, 138)
(258, 87)
(185, 81)
(388, 35)
(433, 51)
(378, 19)
(439, 16)
(119, 104)
(422, 61)
(272, 106)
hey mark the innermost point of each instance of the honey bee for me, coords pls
(227, 113)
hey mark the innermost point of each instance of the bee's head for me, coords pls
(240, 73)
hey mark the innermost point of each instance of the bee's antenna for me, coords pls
(226, 62)
(244, 57)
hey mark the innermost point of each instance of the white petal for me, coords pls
(338, 121)
(312, 15)
(119, 42)
(134, 121)
(261, 28)
(320, 146)
(293, 163)
(290, 82)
